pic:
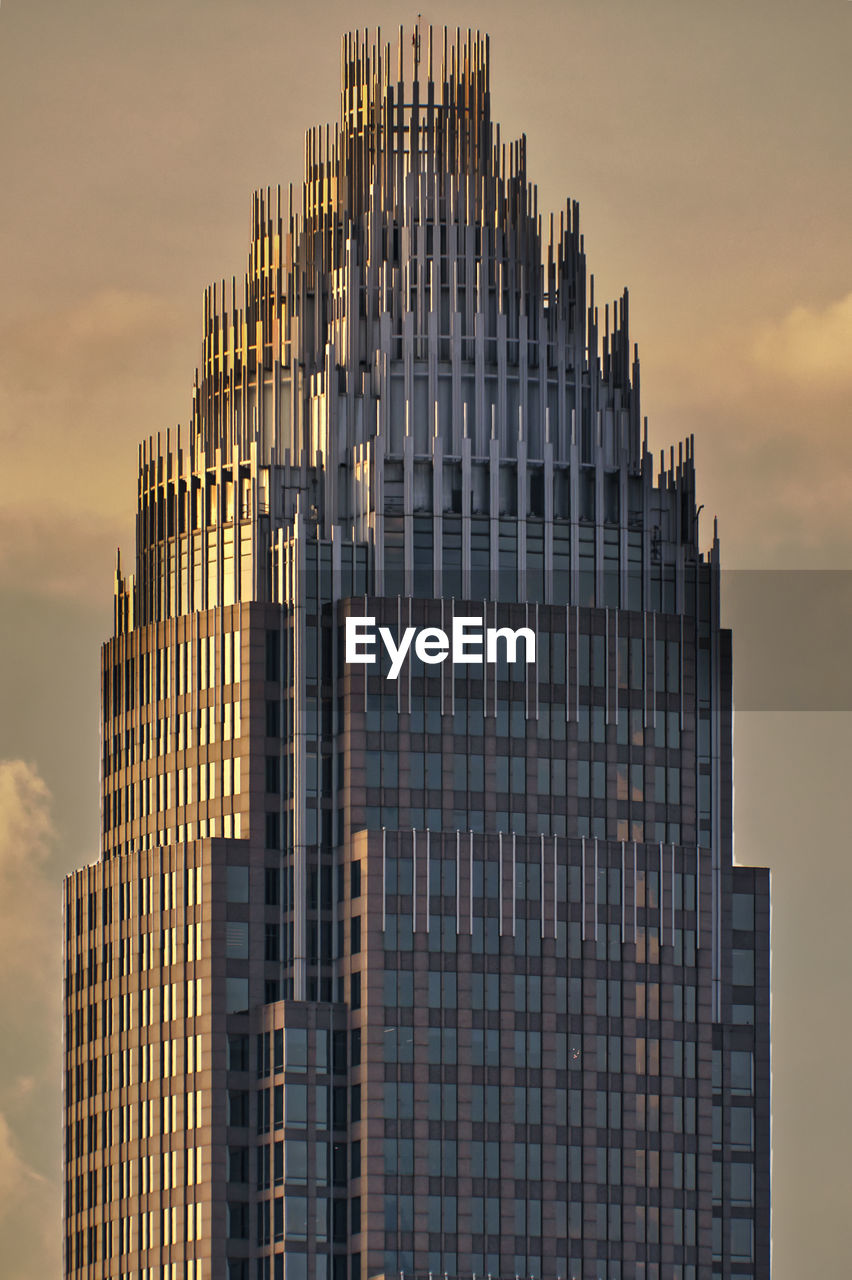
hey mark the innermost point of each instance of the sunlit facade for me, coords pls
(448, 973)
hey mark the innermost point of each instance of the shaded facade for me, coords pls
(452, 972)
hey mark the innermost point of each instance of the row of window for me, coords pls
(522, 1105)
(130, 1178)
(570, 995)
(164, 791)
(489, 1047)
(288, 1218)
(161, 1004)
(142, 1231)
(135, 1120)
(291, 1160)
(653, 784)
(581, 825)
(401, 1262)
(286, 1107)
(442, 934)
(546, 718)
(152, 957)
(485, 881)
(206, 663)
(491, 1216)
(190, 881)
(158, 737)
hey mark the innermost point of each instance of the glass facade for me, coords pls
(446, 969)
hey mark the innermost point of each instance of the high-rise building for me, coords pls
(440, 964)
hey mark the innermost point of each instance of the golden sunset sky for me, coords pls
(709, 147)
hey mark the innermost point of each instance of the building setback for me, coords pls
(450, 972)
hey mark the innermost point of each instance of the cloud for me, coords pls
(25, 826)
(23, 1087)
(30, 980)
(30, 943)
(84, 345)
(29, 1214)
(62, 555)
(16, 1176)
(809, 347)
(80, 386)
(767, 401)
(28, 899)
(30, 936)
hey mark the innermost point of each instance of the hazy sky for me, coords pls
(708, 145)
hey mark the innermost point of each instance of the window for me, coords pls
(296, 1043)
(742, 968)
(238, 1216)
(272, 836)
(583, 779)
(296, 1105)
(442, 990)
(237, 884)
(236, 995)
(742, 912)
(238, 1108)
(236, 940)
(484, 990)
(399, 988)
(742, 1239)
(238, 1050)
(295, 1160)
(742, 1128)
(295, 1217)
(742, 1071)
(296, 1266)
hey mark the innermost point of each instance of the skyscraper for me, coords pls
(437, 962)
